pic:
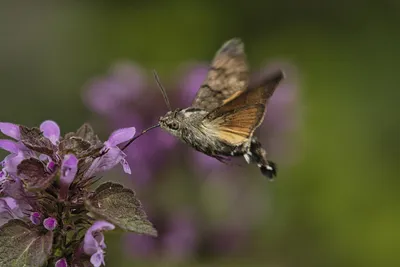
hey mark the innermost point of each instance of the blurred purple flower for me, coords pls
(177, 241)
(180, 239)
(107, 95)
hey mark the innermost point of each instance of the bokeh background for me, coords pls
(334, 129)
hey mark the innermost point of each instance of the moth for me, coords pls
(225, 111)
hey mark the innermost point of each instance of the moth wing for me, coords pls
(228, 75)
(235, 121)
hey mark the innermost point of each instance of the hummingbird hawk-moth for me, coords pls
(226, 111)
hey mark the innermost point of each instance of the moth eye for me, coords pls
(174, 125)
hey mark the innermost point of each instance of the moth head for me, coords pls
(172, 122)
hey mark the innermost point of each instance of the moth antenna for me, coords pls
(162, 89)
(139, 135)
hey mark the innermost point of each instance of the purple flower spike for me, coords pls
(61, 263)
(69, 167)
(10, 129)
(36, 218)
(114, 154)
(93, 244)
(51, 131)
(50, 223)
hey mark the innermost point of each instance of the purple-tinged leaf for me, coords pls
(119, 206)
(22, 245)
(34, 139)
(34, 174)
(86, 133)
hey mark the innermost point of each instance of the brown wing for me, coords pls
(228, 75)
(236, 120)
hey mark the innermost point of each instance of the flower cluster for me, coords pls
(49, 216)
(123, 93)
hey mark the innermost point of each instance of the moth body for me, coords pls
(226, 111)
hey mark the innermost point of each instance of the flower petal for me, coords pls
(10, 129)
(125, 165)
(11, 162)
(51, 131)
(94, 239)
(9, 146)
(61, 263)
(50, 223)
(36, 218)
(97, 258)
(106, 162)
(119, 136)
(69, 167)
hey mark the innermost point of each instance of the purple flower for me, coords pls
(9, 129)
(61, 263)
(50, 130)
(50, 223)
(94, 242)
(36, 218)
(112, 153)
(69, 168)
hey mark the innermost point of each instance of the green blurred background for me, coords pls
(339, 204)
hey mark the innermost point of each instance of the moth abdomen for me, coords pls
(257, 154)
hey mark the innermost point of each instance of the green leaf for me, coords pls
(34, 174)
(119, 205)
(21, 245)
